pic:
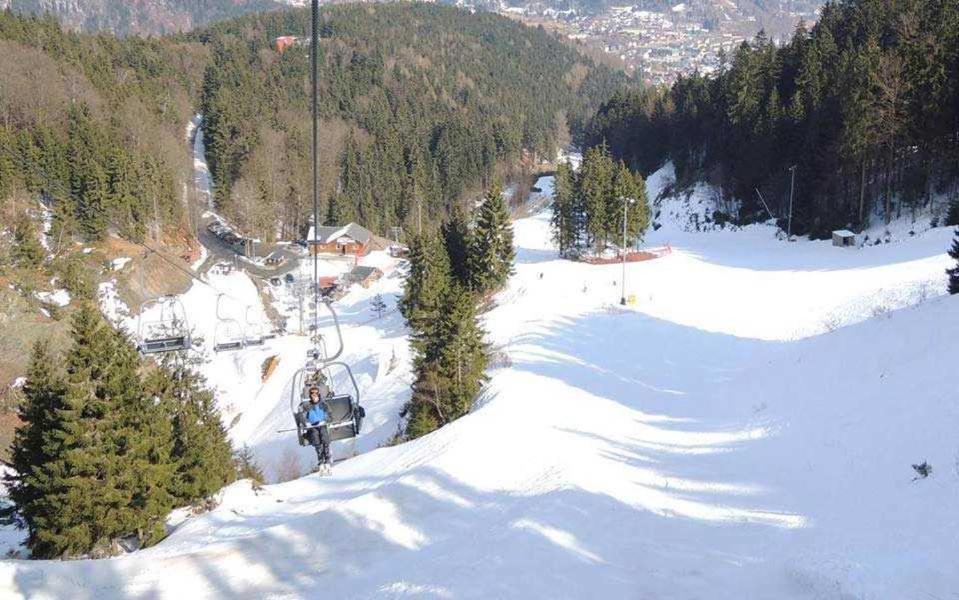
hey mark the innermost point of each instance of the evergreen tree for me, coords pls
(492, 253)
(565, 221)
(103, 469)
(449, 366)
(952, 217)
(42, 394)
(595, 189)
(627, 185)
(201, 451)
(378, 305)
(458, 240)
(27, 251)
(428, 280)
(954, 272)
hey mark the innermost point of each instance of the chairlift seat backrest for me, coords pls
(165, 344)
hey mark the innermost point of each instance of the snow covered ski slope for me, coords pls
(746, 430)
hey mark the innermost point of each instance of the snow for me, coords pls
(59, 297)
(118, 263)
(746, 430)
(204, 254)
(202, 180)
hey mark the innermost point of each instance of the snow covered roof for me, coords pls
(844, 233)
(326, 235)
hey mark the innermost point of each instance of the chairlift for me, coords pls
(345, 413)
(170, 332)
(228, 334)
(256, 331)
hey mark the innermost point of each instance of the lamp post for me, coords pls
(626, 203)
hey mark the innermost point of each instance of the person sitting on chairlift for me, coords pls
(315, 413)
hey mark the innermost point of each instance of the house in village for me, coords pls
(349, 240)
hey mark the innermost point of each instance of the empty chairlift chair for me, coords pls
(168, 331)
(255, 329)
(228, 334)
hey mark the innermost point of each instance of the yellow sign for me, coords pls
(631, 300)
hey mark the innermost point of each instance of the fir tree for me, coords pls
(491, 253)
(458, 240)
(449, 366)
(428, 280)
(952, 217)
(627, 185)
(27, 251)
(565, 221)
(954, 272)
(595, 189)
(201, 451)
(378, 305)
(42, 392)
(102, 472)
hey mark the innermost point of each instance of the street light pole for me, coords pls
(626, 203)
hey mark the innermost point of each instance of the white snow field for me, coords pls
(745, 430)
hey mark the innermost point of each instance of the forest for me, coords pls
(865, 104)
(421, 105)
(94, 126)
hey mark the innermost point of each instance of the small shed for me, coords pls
(844, 238)
(364, 276)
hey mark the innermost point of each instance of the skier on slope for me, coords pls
(314, 414)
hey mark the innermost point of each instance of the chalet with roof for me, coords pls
(348, 240)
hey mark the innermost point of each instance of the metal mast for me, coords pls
(314, 80)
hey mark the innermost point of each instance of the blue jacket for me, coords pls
(315, 413)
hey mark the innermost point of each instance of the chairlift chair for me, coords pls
(345, 413)
(256, 331)
(228, 334)
(170, 332)
(344, 410)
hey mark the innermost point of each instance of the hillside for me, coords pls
(864, 105)
(140, 17)
(422, 106)
(747, 429)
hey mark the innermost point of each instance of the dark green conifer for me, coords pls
(492, 253)
(201, 453)
(954, 272)
(27, 251)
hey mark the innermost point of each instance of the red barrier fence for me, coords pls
(631, 257)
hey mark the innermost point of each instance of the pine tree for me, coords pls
(565, 221)
(461, 353)
(595, 189)
(458, 240)
(105, 469)
(43, 392)
(201, 452)
(449, 366)
(491, 253)
(952, 217)
(627, 185)
(428, 280)
(954, 272)
(27, 251)
(378, 305)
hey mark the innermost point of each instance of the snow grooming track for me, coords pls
(707, 443)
